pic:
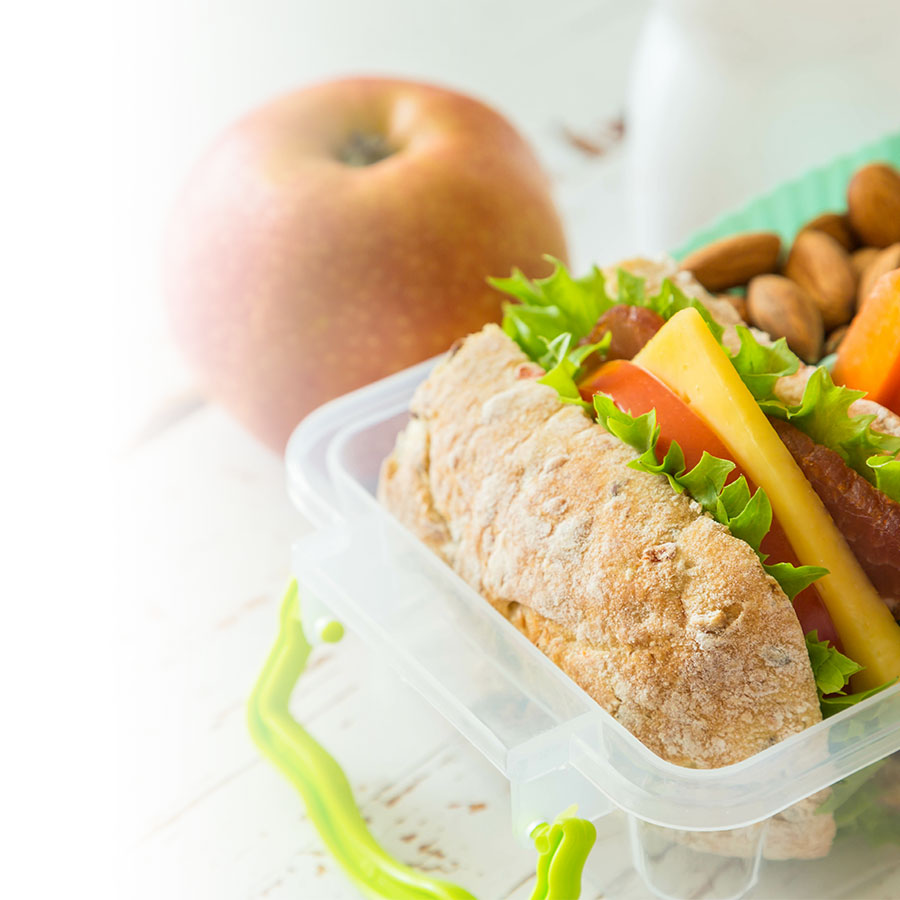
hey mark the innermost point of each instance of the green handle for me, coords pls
(563, 849)
(320, 780)
(563, 846)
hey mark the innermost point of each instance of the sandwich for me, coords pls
(699, 529)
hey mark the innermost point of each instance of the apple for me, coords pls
(344, 232)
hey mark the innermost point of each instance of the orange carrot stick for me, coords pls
(869, 356)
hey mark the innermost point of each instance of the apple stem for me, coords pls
(362, 149)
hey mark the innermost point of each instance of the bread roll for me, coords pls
(668, 621)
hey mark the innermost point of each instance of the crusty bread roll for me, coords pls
(649, 604)
(667, 620)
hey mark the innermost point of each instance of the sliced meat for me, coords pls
(630, 326)
(868, 518)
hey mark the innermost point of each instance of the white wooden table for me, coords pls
(204, 548)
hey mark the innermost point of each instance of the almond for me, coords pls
(861, 258)
(782, 308)
(873, 202)
(884, 261)
(833, 341)
(821, 266)
(734, 260)
(835, 224)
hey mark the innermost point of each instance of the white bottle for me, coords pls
(728, 99)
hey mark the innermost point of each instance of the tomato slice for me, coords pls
(636, 391)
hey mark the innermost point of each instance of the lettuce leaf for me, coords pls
(556, 351)
(532, 327)
(630, 288)
(562, 364)
(706, 483)
(639, 432)
(887, 474)
(823, 413)
(832, 672)
(831, 706)
(748, 517)
(760, 366)
(544, 308)
(831, 669)
(855, 802)
(548, 307)
(794, 579)
(671, 299)
(843, 790)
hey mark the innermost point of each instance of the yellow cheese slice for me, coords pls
(686, 357)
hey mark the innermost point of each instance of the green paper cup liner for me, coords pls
(790, 206)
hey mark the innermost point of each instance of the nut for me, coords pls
(884, 261)
(734, 260)
(782, 308)
(861, 258)
(837, 225)
(821, 266)
(737, 301)
(873, 201)
(833, 341)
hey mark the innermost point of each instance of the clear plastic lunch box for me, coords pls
(556, 745)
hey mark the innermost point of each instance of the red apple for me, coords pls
(344, 232)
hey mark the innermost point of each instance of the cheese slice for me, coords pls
(686, 357)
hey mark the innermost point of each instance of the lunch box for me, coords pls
(557, 747)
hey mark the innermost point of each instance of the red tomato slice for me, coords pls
(636, 392)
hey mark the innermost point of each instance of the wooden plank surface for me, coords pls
(209, 531)
(215, 820)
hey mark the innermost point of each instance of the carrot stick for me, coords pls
(868, 358)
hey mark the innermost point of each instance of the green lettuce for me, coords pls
(856, 804)
(832, 672)
(887, 474)
(831, 669)
(562, 363)
(544, 308)
(548, 307)
(823, 413)
(760, 366)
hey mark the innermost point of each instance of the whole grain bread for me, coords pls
(653, 607)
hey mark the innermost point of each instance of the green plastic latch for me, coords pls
(563, 849)
(563, 846)
(319, 779)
